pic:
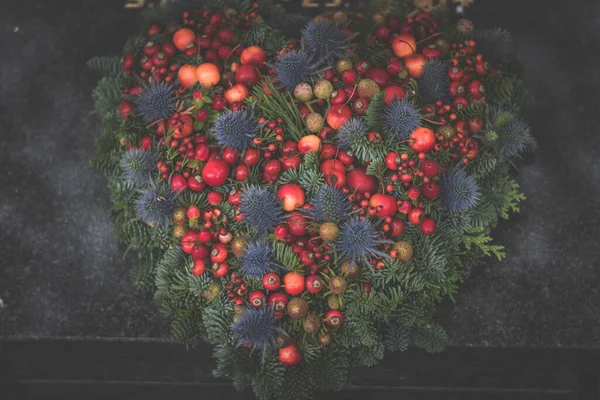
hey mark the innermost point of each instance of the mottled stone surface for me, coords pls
(61, 270)
(62, 273)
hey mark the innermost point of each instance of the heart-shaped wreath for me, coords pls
(302, 194)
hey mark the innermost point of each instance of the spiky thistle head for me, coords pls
(459, 191)
(330, 205)
(400, 118)
(258, 260)
(352, 133)
(433, 84)
(257, 327)
(294, 67)
(359, 241)
(325, 41)
(156, 102)
(511, 135)
(155, 205)
(236, 129)
(138, 165)
(496, 45)
(261, 209)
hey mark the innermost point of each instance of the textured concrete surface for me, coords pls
(62, 273)
(61, 270)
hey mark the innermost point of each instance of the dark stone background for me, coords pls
(62, 272)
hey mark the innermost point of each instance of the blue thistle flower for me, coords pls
(294, 67)
(330, 205)
(512, 134)
(459, 191)
(155, 205)
(258, 260)
(257, 327)
(359, 241)
(261, 209)
(325, 41)
(352, 133)
(236, 129)
(138, 166)
(433, 84)
(496, 45)
(400, 118)
(156, 102)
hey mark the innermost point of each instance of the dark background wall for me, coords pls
(62, 273)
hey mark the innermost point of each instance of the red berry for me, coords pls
(215, 172)
(220, 270)
(178, 183)
(278, 301)
(392, 160)
(230, 156)
(314, 284)
(384, 205)
(271, 281)
(338, 115)
(459, 103)
(415, 216)
(430, 168)
(199, 267)
(127, 108)
(431, 190)
(204, 236)
(380, 76)
(247, 74)
(422, 140)
(293, 283)
(199, 252)
(428, 226)
(241, 172)
(456, 89)
(218, 253)
(476, 89)
(290, 355)
(393, 93)
(338, 97)
(414, 193)
(225, 35)
(128, 62)
(202, 115)
(397, 226)
(360, 182)
(455, 74)
(257, 299)
(349, 76)
(281, 231)
(360, 105)
(187, 241)
(273, 167)
(252, 157)
(334, 318)
(193, 212)
(382, 33)
(214, 198)
(297, 224)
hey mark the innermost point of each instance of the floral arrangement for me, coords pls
(302, 194)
